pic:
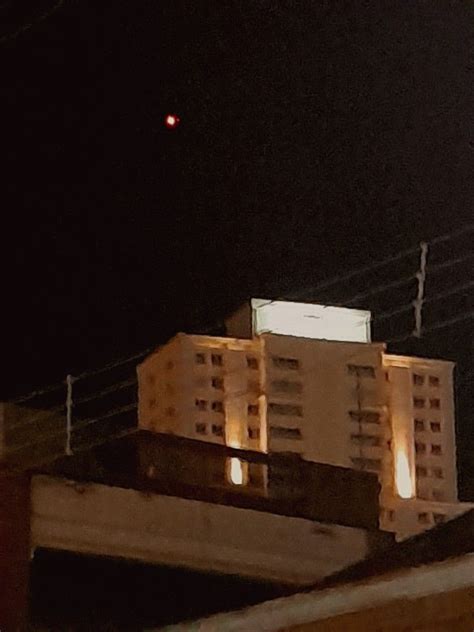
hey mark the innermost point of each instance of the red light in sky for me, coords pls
(171, 121)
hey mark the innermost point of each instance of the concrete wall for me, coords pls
(97, 519)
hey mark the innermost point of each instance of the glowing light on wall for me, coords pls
(236, 471)
(310, 321)
(403, 480)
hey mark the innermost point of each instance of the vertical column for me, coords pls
(14, 550)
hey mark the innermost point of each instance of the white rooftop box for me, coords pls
(304, 320)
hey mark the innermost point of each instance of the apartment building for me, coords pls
(327, 393)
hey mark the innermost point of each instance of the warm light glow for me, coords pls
(236, 471)
(171, 120)
(402, 475)
(310, 321)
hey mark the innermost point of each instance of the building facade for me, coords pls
(340, 402)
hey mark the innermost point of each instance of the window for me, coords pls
(200, 358)
(217, 407)
(437, 472)
(278, 432)
(218, 383)
(423, 518)
(363, 439)
(217, 430)
(418, 402)
(418, 380)
(421, 471)
(216, 359)
(284, 386)
(286, 363)
(252, 362)
(436, 449)
(439, 518)
(152, 402)
(252, 409)
(438, 495)
(419, 425)
(150, 379)
(367, 464)
(253, 433)
(368, 417)
(170, 411)
(200, 404)
(201, 428)
(286, 409)
(361, 371)
(435, 426)
(391, 515)
(434, 380)
(169, 365)
(435, 403)
(420, 448)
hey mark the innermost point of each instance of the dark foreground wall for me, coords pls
(14, 550)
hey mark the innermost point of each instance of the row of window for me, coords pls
(218, 407)
(422, 472)
(285, 386)
(293, 410)
(360, 370)
(419, 380)
(366, 440)
(280, 432)
(362, 416)
(217, 359)
(286, 363)
(217, 430)
(420, 402)
(429, 494)
(421, 426)
(421, 448)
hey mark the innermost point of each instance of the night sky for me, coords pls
(315, 137)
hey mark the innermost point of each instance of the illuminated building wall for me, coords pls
(338, 402)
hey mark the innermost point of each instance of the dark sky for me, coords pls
(315, 137)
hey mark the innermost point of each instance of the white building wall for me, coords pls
(203, 387)
(319, 382)
(341, 403)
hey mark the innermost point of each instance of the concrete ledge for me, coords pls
(101, 520)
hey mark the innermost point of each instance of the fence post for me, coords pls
(69, 404)
(420, 298)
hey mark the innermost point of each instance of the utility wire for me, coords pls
(29, 25)
(383, 262)
(435, 327)
(328, 283)
(86, 423)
